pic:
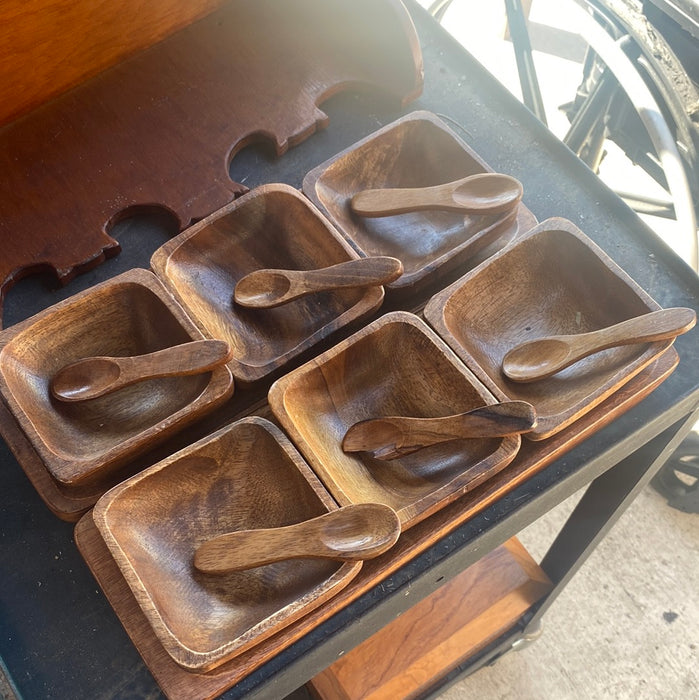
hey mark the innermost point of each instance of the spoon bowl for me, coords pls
(483, 193)
(352, 533)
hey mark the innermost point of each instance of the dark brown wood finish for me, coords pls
(245, 476)
(179, 683)
(132, 314)
(160, 129)
(552, 281)
(274, 226)
(395, 365)
(416, 151)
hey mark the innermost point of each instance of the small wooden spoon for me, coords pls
(96, 376)
(354, 532)
(538, 359)
(397, 436)
(267, 288)
(485, 193)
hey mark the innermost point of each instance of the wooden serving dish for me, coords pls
(418, 150)
(394, 366)
(273, 226)
(552, 281)
(245, 476)
(131, 314)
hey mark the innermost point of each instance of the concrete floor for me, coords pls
(627, 626)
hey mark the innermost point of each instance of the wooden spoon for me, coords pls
(485, 193)
(267, 288)
(96, 376)
(396, 436)
(354, 532)
(538, 359)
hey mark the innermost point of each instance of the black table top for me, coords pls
(58, 635)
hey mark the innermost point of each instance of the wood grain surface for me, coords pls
(414, 651)
(159, 130)
(553, 280)
(50, 46)
(245, 476)
(273, 226)
(395, 365)
(417, 150)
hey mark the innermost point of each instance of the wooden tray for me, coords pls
(159, 130)
(274, 226)
(178, 683)
(554, 280)
(417, 150)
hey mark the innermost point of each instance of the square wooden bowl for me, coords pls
(131, 314)
(394, 366)
(418, 150)
(245, 476)
(552, 281)
(273, 226)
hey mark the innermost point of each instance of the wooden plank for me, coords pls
(411, 653)
(49, 46)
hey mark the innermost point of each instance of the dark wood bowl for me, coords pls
(273, 226)
(553, 281)
(394, 366)
(418, 150)
(80, 442)
(245, 476)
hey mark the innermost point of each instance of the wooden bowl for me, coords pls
(394, 366)
(247, 475)
(131, 314)
(273, 226)
(418, 150)
(554, 280)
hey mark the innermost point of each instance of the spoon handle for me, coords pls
(246, 549)
(390, 201)
(365, 272)
(178, 360)
(397, 436)
(657, 325)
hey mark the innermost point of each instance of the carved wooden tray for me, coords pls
(159, 130)
(179, 683)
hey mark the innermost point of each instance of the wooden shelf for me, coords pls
(411, 653)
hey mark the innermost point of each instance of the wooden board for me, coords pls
(61, 43)
(423, 644)
(158, 130)
(178, 683)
